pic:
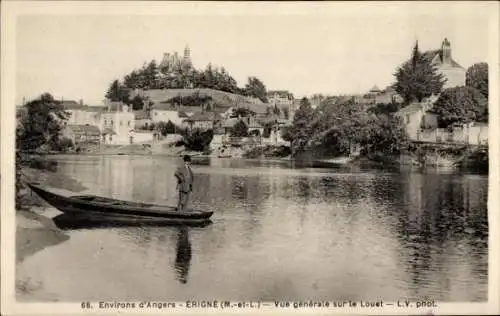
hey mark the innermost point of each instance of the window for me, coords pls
(128, 123)
(111, 122)
(121, 123)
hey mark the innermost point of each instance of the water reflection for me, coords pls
(183, 254)
(282, 233)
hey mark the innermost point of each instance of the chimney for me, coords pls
(80, 102)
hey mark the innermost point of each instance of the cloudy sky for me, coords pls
(330, 48)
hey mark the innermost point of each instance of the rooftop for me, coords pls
(84, 129)
(431, 54)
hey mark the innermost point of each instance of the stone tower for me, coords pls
(446, 49)
(187, 56)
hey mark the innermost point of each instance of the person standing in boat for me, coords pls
(185, 178)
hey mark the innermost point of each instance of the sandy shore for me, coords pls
(35, 230)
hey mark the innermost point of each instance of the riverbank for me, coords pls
(417, 155)
(35, 230)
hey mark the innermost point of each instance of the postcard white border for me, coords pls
(12, 9)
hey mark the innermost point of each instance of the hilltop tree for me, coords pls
(417, 78)
(118, 92)
(461, 105)
(255, 88)
(477, 77)
(174, 75)
(150, 74)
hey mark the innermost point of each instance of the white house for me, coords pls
(117, 124)
(165, 112)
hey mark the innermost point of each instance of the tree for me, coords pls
(417, 78)
(165, 128)
(286, 133)
(137, 103)
(286, 113)
(41, 125)
(276, 110)
(118, 92)
(384, 108)
(300, 132)
(240, 129)
(242, 112)
(150, 74)
(477, 77)
(198, 140)
(461, 105)
(255, 88)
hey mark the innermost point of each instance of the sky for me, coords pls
(330, 49)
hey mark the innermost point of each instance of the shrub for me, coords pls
(198, 140)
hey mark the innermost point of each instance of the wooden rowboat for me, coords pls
(98, 208)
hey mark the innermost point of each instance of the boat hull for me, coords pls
(71, 222)
(105, 209)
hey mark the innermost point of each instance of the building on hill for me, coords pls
(175, 62)
(163, 112)
(442, 59)
(204, 121)
(280, 97)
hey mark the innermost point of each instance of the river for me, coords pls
(278, 232)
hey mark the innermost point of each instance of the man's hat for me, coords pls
(187, 158)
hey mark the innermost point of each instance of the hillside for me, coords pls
(221, 98)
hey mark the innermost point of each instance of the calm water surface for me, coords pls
(277, 233)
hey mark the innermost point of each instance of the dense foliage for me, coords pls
(41, 125)
(240, 129)
(255, 88)
(182, 75)
(461, 105)
(417, 78)
(477, 77)
(117, 92)
(339, 128)
(300, 131)
(198, 140)
(165, 128)
(241, 112)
